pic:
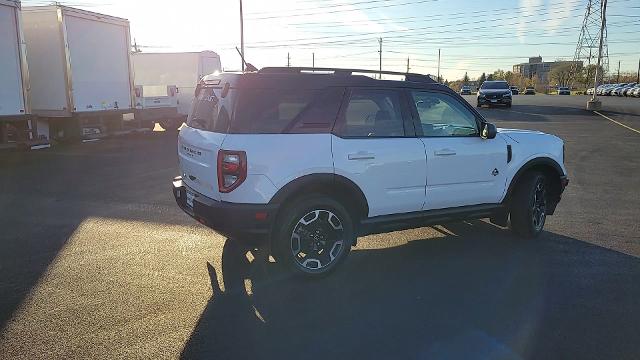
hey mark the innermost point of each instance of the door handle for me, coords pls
(362, 155)
(444, 152)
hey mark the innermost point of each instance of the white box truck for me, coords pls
(182, 69)
(80, 71)
(16, 125)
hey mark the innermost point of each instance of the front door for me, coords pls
(371, 148)
(462, 168)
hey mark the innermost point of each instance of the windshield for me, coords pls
(494, 85)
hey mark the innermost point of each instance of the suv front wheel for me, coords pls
(314, 235)
(529, 205)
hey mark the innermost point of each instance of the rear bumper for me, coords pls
(233, 220)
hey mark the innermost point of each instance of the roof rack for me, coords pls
(413, 77)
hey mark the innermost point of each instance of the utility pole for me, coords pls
(594, 103)
(288, 60)
(618, 81)
(438, 66)
(242, 36)
(638, 78)
(407, 65)
(380, 52)
(313, 60)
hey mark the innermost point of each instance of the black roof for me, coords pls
(315, 78)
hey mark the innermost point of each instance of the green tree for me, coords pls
(490, 77)
(499, 75)
(561, 74)
(465, 79)
(482, 79)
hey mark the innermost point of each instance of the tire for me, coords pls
(529, 205)
(314, 235)
(478, 105)
(509, 105)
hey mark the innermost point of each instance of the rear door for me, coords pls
(374, 147)
(462, 168)
(200, 140)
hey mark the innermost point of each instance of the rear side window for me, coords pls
(275, 111)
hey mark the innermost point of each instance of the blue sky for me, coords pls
(474, 36)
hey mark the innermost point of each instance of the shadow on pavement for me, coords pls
(45, 195)
(477, 293)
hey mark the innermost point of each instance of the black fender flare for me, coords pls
(544, 161)
(324, 182)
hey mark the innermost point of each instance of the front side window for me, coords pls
(372, 113)
(442, 115)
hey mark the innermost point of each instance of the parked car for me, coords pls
(529, 90)
(514, 90)
(310, 161)
(563, 90)
(625, 89)
(494, 93)
(612, 90)
(635, 92)
(465, 90)
(590, 91)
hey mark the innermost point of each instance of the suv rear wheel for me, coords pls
(529, 205)
(314, 235)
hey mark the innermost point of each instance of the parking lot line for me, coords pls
(619, 123)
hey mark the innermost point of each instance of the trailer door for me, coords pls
(99, 58)
(11, 96)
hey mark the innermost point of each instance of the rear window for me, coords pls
(209, 111)
(275, 111)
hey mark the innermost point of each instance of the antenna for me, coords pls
(247, 66)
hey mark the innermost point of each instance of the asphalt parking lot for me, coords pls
(96, 261)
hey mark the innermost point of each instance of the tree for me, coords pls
(482, 78)
(465, 79)
(561, 74)
(499, 75)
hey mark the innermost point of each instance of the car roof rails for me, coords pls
(413, 77)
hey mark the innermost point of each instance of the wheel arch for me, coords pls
(547, 166)
(337, 186)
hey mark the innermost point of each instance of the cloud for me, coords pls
(528, 8)
(560, 15)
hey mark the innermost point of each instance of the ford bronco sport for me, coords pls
(310, 159)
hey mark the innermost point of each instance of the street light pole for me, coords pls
(438, 65)
(594, 103)
(241, 36)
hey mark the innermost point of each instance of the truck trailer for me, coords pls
(16, 123)
(80, 71)
(181, 69)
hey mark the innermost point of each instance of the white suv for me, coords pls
(310, 159)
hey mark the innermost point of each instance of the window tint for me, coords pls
(372, 113)
(320, 116)
(494, 85)
(208, 111)
(442, 115)
(269, 111)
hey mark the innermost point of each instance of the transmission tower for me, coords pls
(588, 42)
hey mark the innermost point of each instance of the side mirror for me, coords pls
(477, 88)
(489, 131)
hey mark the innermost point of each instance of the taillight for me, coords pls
(232, 169)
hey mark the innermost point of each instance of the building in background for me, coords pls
(539, 70)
